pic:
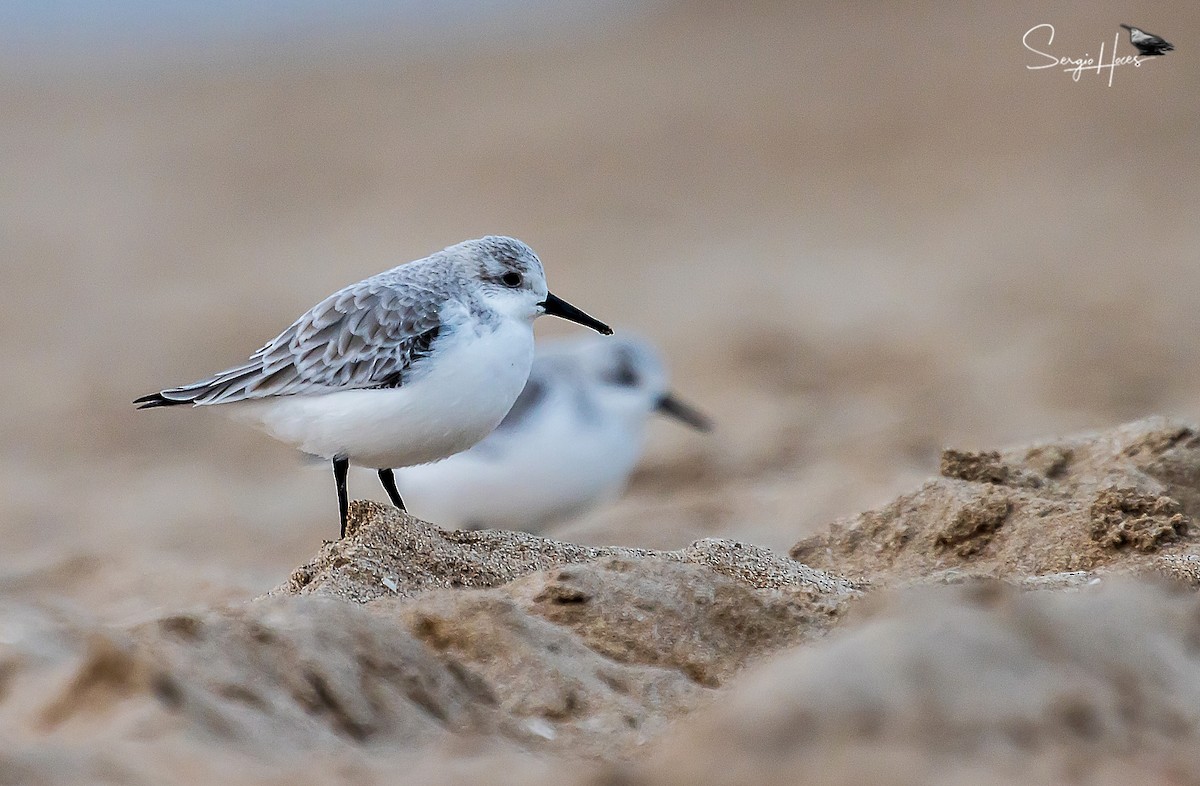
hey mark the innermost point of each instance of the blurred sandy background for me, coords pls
(860, 233)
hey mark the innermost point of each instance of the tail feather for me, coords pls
(233, 383)
(157, 400)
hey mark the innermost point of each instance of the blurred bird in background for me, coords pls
(570, 442)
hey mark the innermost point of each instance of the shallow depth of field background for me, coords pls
(859, 232)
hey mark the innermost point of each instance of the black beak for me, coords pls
(669, 405)
(557, 307)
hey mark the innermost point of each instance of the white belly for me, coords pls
(462, 394)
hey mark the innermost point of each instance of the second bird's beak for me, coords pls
(557, 307)
(673, 407)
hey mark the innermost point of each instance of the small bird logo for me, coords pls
(1148, 44)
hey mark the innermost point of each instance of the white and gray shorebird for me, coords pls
(570, 442)
(1148, 44)
(405, 367)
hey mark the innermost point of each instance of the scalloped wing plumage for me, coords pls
(368, 335)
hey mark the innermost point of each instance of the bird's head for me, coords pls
(625, 376)
(512, 282)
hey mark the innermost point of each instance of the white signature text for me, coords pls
(1075, 66)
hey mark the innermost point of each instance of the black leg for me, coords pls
(388, 479)
(340, 467)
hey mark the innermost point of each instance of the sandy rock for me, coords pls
(314, 670)
(1122, 499)
(964, 685)
(554, 691)
(388, 553)
(671, 614)
(1183, 568)
(406, 638)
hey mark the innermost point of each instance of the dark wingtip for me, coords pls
(156, 400)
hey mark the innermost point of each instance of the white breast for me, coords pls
(464, 390)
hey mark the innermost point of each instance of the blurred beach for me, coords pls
(859, 232)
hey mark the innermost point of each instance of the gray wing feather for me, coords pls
(365, 336)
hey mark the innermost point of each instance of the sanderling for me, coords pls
(405, 367)
(570, 442)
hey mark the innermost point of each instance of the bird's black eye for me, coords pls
(511, 279)
(623, 376)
